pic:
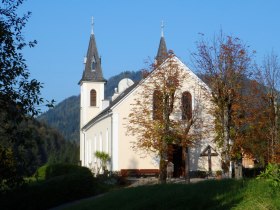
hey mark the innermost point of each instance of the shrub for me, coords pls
(113, 179)
(271, 174)
(65, 188)
(40, 173)
(59, 169)
(63, 183)
(48, 171)
(198, 174)
(251, 172)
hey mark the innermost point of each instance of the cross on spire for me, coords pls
(92, 23)
(162, 26)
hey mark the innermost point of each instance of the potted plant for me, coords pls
(104, 158)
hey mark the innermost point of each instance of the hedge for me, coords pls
(63, 184)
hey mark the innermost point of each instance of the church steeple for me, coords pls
(162, 49)
(93, 70)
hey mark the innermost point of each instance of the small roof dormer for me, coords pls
(93, 71)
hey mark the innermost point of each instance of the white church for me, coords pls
(102, 121)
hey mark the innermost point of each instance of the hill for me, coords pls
(48, 146)
(65, 116)
(34, 144)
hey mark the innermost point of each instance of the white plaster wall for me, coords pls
(201, 98)
(115, 141)
(130, 159)
(113, 130)
(99, 136)
(87, 112)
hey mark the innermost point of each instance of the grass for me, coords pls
(212, 194)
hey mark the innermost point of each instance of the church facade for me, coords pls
(102, 121)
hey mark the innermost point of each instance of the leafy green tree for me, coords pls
(9, 176)
(19, 94)
(16, 87)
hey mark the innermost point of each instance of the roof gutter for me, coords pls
(107, 114)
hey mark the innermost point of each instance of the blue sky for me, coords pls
(128, 33)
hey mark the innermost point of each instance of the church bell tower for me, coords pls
(91, 88)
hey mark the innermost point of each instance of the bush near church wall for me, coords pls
(52, 170)
(198, 174)
(251, 172)
(246, 172)
(76, 182)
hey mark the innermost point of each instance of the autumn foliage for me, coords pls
(170, 118)
(245, 97)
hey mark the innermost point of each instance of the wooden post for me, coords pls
(209, 152)
(209, 160)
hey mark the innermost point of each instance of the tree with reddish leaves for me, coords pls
(251, 124)
(225, 64)
(160, 117)
(260, 136)
(269, 79)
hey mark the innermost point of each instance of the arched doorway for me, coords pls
(175, 156)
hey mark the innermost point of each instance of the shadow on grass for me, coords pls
(218, 195)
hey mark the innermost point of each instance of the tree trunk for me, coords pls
(227, 138)
(164, 151)
(274, 130)
(186, 156)
(276, 126)
(163, 165)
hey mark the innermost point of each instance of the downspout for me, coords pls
(83, 131)
(111, 143)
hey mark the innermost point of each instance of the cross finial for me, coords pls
(92, 23)
(162, 26)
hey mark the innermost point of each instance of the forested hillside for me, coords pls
(37, 144)
(65, 116)
(50, 146)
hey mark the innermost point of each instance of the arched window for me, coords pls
(157, 105)
(186, 105)
(93, 97)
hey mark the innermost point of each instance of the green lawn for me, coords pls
(212, 194)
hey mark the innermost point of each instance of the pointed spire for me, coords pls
(162, 49)
(93, 70)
